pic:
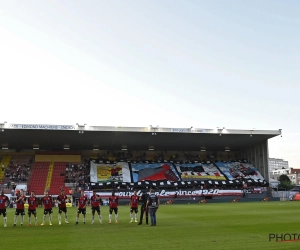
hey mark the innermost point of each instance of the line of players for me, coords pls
(62, 200)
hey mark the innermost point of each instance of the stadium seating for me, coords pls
(38, 178)
(58, 177)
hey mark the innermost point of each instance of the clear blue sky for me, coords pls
(207, 64)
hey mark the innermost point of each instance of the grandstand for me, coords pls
(106, 158)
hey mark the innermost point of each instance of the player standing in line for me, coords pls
(144, 208)
(82, 202)
(32, 203)
(47, 201)
(62, 206)
(113, 206)
(21, 199)
(95, 203)
(134, 204)
(4, 202)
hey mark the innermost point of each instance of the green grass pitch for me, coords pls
(195, 226)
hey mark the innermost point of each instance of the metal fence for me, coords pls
(284, 195)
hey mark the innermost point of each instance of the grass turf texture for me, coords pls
(195, 226)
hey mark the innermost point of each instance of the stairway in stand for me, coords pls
(49, 176)
(5, 161)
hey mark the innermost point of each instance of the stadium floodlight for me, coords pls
(151, 149)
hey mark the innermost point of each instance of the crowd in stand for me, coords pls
(141, 156)
(16, 172)
(78, 173)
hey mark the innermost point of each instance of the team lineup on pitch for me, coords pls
(150, 204)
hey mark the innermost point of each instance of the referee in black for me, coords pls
(144, 209)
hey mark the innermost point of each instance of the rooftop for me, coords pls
(84, 137)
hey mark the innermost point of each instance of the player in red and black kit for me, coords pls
(113, 206)
(134, 204)
(82, 202)
(95, 203)
(62, 206)
(47, 201)
(32, 204)
(4, 202)
(21, 199)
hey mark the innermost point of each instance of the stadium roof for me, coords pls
(83, 137)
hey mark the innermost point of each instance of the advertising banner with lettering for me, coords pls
(238, 170)
(180, 130)
(108, 172)
(196, 171)
(154, 172)
(178, 193)
(42, 126)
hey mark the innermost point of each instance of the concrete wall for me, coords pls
(258, 155)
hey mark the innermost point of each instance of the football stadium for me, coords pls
(213, 187)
